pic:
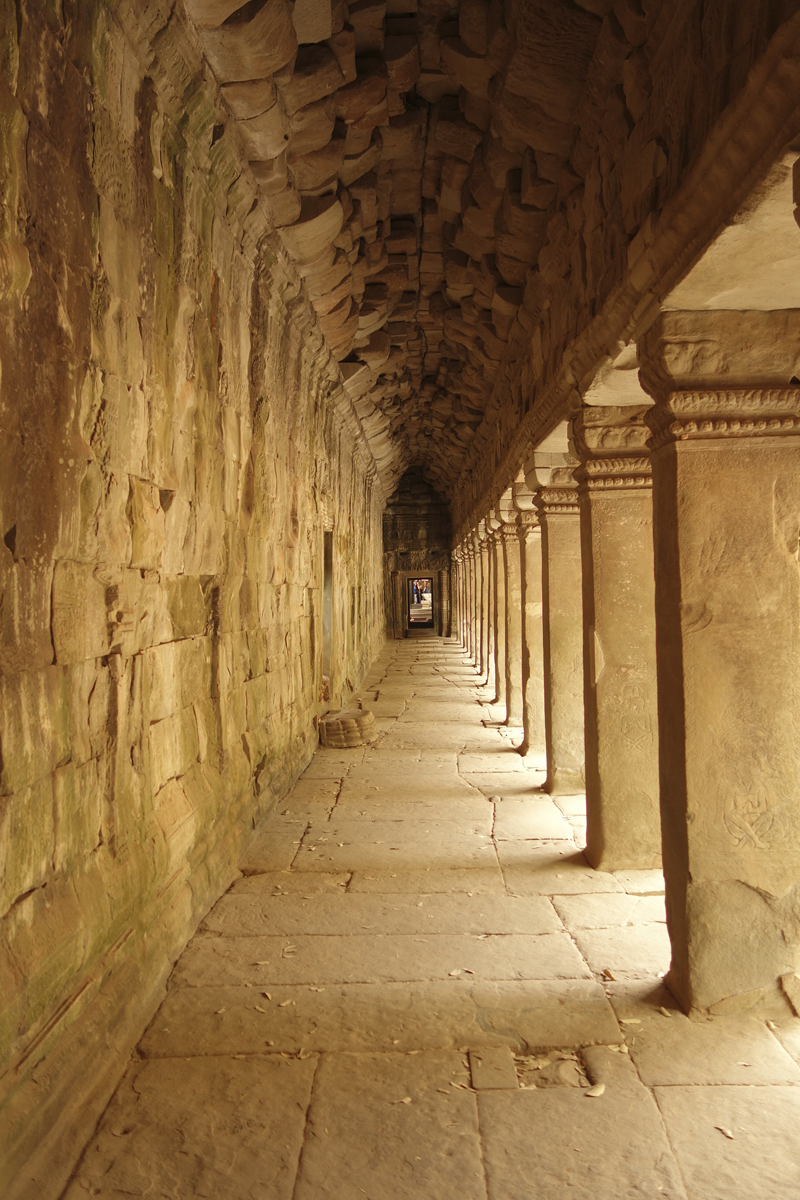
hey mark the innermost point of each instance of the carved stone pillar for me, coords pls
(482, 552)
(499, 617)
(468, 598)
(509, 538)
(726, 506)
(455, 596)
(491, 609)
(619, 639)
(559, 518)
(530, 548)
(477, 590)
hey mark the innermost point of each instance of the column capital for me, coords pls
(611, 443)
(527, 521)
(559, 499)
(729, 414)
(721, 376)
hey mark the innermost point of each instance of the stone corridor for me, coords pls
(310, 309)
(419, 990)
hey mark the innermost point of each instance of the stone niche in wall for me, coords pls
(416, 543)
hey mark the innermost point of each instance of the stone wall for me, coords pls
(173, 438)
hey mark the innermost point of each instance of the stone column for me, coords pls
(467, 598)
(483, 554)
(491, 609)
(619, 639)
(455, 604)
(477, 568)
(530, 548)
(498, 617)
(513, 623)
(559, 518)
(726, 508)
(473, 594)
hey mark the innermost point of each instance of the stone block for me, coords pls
(560, 1139)
(393, 1101)
(351, 727)
(759, 1157)
(34, 727)
(173, 747)
(143, 1144)
(27, 841)
(493, 1069)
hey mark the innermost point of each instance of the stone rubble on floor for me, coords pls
(415, 988)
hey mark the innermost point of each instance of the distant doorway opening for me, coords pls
(420, 603)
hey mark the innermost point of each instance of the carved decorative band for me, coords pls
(616, 473)
(616, 466)
(618, 483)
(736, 413)
(558, 500)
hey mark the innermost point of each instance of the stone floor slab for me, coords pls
(629, 952)
(512, 785)
(475, 812)
(351, 846)
(642, 883)
(391, 1127)
(704, 1050)
(526, 1015)
(493, 1069)
(476, 881)
(280, 882)
(504, 759)
(556, 1143)
(609, 909)
(524, 819)
(373, 958)
(550, 868)
(200, 1127)
(787, 1031)
(274, 845)
(762, 1157)
(253, 914)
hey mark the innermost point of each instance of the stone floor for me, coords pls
(419, 990)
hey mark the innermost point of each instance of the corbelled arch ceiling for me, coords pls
(414, 156)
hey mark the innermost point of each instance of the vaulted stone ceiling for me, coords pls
(417, 158)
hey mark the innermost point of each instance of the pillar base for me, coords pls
(607, 860)
(565, 782)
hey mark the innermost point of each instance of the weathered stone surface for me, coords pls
(404, 1108)
(732, 1050)
(492, 1069)
(242, 916)
(760, 1156)
(560, 1139)
(550, 868)
(159, 1120)
(630, 952)
(264, 960)
(350, 727)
